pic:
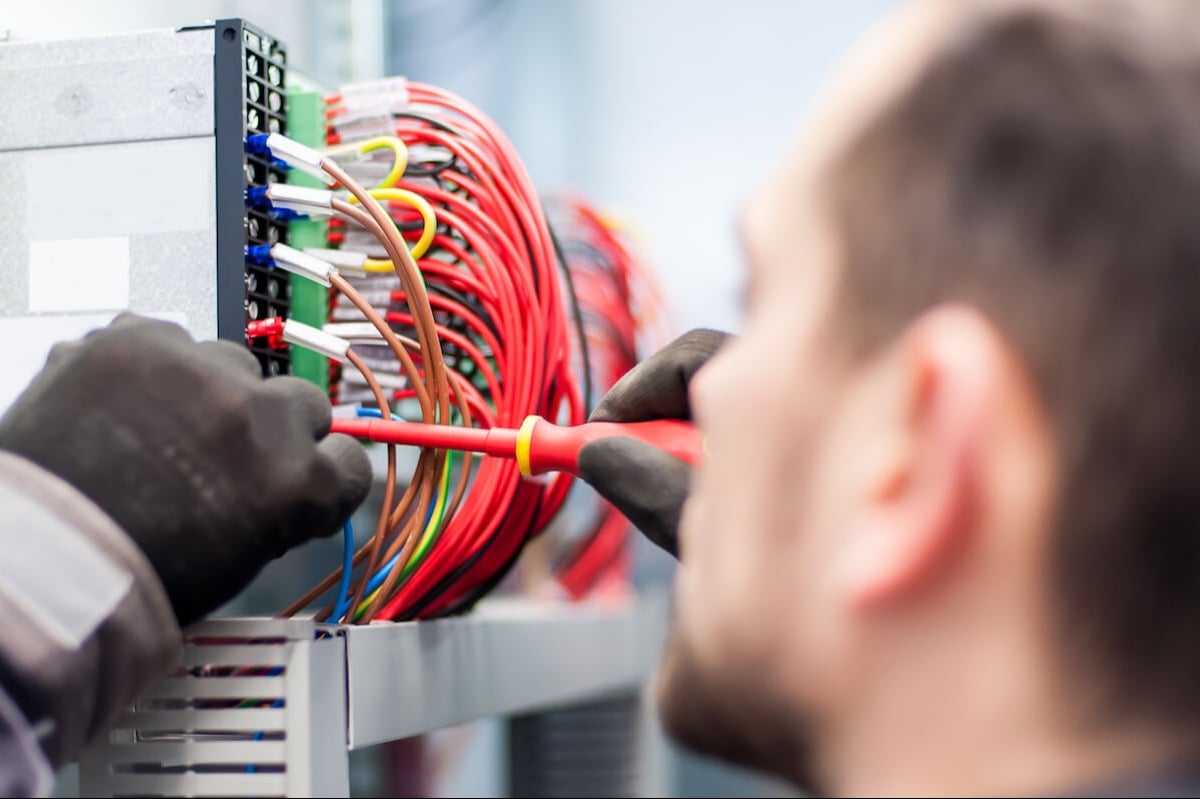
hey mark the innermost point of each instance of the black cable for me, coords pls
(604, 322)
(431, 169)
(589, 251)
(469, 301)
(576, 312)
(409, 227)
(429, 120)
(468, 601)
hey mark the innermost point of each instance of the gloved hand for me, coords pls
(210, 469)
(643, 482)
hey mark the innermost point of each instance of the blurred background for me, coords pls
(669, 113)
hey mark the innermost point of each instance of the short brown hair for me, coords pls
(1045, 168)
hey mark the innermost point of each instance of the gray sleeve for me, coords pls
(24, 770)
(84, 621)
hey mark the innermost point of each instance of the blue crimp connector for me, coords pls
(257, 143)
(257, 195)
(259, 253)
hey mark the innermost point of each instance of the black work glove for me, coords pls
(211, 470)
(643, 482)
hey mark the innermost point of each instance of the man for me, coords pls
(947, 537)
(943, 541)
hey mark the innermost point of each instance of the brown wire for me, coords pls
(405, 549)
(372, 216)
(426, 332)
(433, 395)
(392, 517)
(406, 270)
(388, 491)
(426, 472)
(389, 336)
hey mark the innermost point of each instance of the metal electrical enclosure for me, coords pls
(125, 176)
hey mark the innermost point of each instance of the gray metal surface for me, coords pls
(170, 271)
(292, 697)
(129, 87)
(511, 655)
(258, 710)
(590, 749)
(104, 140)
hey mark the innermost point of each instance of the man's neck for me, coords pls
(957, 735)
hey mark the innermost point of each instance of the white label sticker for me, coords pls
(79, 274)
(136, 200)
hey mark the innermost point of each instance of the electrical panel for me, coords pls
(126, 179)
(132, 184)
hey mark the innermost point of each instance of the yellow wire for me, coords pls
(435, 521)
(397, 146)
(378, 265)
(399, 163)
(439, 510)
(415, 201)
(366, 603)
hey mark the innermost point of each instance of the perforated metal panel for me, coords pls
(258, 709)
(587, 750)
(272, 707)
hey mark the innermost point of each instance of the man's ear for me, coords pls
(921, 478)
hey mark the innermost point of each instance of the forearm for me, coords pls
(84, 620)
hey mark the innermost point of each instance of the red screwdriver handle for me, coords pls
(551, 448)
(501, 442)
(538, 446)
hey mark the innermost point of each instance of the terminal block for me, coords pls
(250, 88)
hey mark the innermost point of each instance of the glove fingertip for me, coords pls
(605, 410)
(647, 485)
(657, 388)
(352, 466)
(232, 357)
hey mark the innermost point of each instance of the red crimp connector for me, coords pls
(270, 329)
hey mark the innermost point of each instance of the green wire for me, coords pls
(434, 528)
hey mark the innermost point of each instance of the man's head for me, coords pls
(951, 473)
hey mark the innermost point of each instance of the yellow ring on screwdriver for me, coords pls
(524, 441)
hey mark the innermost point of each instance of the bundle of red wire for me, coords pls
(622, 314)
(481, 316)
(492, 279)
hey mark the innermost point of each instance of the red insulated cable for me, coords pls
(494, 245)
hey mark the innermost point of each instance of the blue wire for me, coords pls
(386, 568)
(343, 599)
(258, 736)
(382, 574)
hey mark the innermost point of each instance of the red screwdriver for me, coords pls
(538, 446)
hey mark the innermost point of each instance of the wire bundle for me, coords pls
(622, 314)
(458, 319)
